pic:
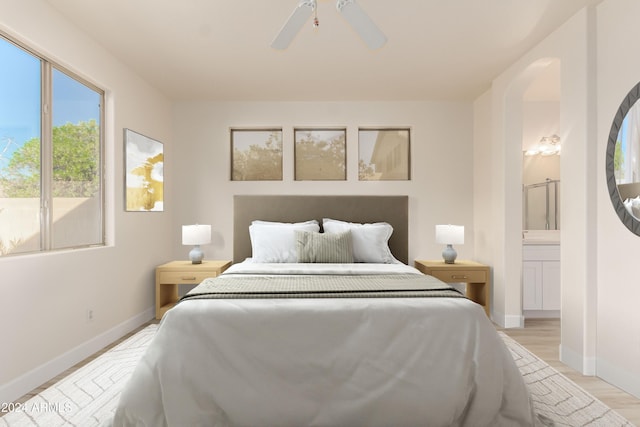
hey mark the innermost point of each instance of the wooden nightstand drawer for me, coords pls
(172, 274)
(185, 277)
(460, 276)
(477, 277)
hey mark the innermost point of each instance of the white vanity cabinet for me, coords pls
(541, 280)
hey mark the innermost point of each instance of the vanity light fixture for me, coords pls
(450, 235)
(548, 146)
(196, 235)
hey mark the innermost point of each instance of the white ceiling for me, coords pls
(219, 49)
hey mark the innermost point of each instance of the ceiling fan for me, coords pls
(349, 9)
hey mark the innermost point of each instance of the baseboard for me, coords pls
(22, 385)
(508, 321)
(623, 379)
(514, 321)
(541, 314)
(584, 365)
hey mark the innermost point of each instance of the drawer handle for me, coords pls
(459, 277)
(189, 278)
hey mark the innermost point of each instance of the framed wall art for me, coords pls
(384, 154)
(256, 154)
(320, 154)
(144, 173)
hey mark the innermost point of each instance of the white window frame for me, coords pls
(46, 155)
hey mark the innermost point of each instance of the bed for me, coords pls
(630, 195)
(326, 342)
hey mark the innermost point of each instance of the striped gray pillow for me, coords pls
(324, 247)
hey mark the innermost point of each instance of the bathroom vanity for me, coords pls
(541, 274)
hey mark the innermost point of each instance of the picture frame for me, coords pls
(320, 154)
(384, 154)
(144, 173)
(256, 154)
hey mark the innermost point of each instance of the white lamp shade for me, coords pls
(450, 234)
(197, 234)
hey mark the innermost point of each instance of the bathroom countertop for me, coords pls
(541, 237)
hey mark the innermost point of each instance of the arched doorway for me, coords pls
(542, 193)
(524, 89)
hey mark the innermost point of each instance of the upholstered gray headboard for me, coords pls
(629, 191)
(284, 208)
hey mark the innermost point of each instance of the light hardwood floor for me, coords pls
(542, 338)
(77, 366)
(539, 336)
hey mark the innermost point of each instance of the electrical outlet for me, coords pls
(90, 315)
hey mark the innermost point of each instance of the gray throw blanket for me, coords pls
(322, 286)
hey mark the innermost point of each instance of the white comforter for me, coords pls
(326, 362)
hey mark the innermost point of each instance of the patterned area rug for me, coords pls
(88, 397)
(557, 400)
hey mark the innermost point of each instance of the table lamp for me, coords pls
(196, 235)
(450, 235)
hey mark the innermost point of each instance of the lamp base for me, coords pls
(196, 255)
(449, 255)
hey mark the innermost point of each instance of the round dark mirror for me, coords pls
(623, 161)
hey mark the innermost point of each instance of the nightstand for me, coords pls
(174, 273)
(475, 275)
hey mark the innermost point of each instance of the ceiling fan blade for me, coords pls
(361, 23)
(294, 24)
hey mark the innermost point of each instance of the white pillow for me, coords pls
(276, 241)
(370, 241)
(635, 207)
(258, 221)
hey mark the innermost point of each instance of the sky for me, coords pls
(20, 99)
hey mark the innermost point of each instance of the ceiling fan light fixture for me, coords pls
(369, 32)
(294, 24)
(350, 11)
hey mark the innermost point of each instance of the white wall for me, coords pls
(483, 168)
(541, 118)
(618, 353)
(44, 297)
(571, 45)
(440, 191)
(600, 316)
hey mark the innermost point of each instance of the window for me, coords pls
(51, 185)
(384, 154)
